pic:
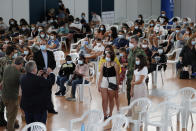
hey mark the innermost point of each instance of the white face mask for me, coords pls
(52, 37)
(20, 41)
(144, 46)
(163, 14)
(160, 51)
(187, 32)
(6, 42)
(120, 36)
(125, 31)
(26, 52)
(69, 62)
(42, 35)
(137, 62)
(136, 27)
(177, 31)
(80, 62)
(158, 25)
(39, 30)
(131, 46)
(108, 59)
(32, 28)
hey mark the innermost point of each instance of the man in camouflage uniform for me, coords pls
(134, 51)
(4, 61)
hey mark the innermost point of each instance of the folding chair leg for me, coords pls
(90, 93)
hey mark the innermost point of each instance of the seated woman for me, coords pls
(53, 42)
(81, 72)
(83, 47)
(187, 35)
(65, 71)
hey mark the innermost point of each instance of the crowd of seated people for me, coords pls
(131, 51)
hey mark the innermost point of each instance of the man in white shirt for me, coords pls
(76, 25)
(96, 19)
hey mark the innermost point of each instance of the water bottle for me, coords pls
(83, 127)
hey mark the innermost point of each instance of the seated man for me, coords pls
(83, 47)
(53, 42)
(97, 50)
(120, 41)
(65, 71)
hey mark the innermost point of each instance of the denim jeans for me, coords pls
(75, 83)
(61, 81)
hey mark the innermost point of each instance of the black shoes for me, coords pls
(60, 93)
(3, 123)
(52, 111)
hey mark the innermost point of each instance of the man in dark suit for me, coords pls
(45, 60)
(36, 92)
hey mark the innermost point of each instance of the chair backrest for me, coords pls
(119, 122)
(187, 93)
(59, 55)
(36, 126)
(94, 117)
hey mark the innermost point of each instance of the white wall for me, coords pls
(188, 9)
(76, 7)
(16, 9)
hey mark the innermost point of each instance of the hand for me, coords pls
(49, 70)
(99, 89)
(40, 72)
(131, 93)
(132, 84)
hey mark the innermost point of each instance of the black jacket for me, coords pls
(66, 69)
(36, 92)
(38, 58)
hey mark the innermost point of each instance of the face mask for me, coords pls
(158, 25)
(137, 62)
(43, 47)
(62, 29)
(163, 14)
(83, 16)
(52, 37)
(120, 36)
(42, 35)
(80, 62)
(177, 31)
(162, 21)
(12, 23)
(125, 31)
(128, 38)
(32, 28)
(26, 52)
(98, 44)
(20, 41)
(151, 24)
(136, 27)
(144, 46)
(160, 51)
(131, 46)
(139, 18)
(187, 32)
(69, 62)
(121, 55)
(51, 21)
(101, 29)
(15, 55)
(106, 52)
(193, 42)
(77, 22)
(185, 22)
(39, 30)
(107, 59)
(23, 28)
(6, 42)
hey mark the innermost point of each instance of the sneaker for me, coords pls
(71, 99)
(58, 93)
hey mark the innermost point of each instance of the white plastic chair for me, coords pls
(143, 104)
(63, 41)
(59, 56)
(74, 45)
(35, 126)
(161, 116)
(119, 123)
(80, 89)
(186, 95)
(94, 117)
(174, 62)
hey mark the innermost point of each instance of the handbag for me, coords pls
(112, 85)
(184, 74)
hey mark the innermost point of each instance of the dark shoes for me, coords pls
(3, 123)
(52, 111)
(60, 93)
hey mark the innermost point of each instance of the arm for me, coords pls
(177, 37)
(100, 77)
(117, 74)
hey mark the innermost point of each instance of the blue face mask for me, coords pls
(62, 29)
(108, 59)
(80, 62)
(86, 42)
(43, 47)
(69, 62)
(121, 55)
(15, 55)
(137, 62)
(193, 42)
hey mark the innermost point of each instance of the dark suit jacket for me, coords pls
(38, 58)
(36, 92)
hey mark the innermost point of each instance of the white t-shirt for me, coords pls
(78, 26)
(98, 48)
(159, 29)
(138, 74)
(96, 18)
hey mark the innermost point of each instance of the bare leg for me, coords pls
(104, 94)
(117, 100)
(111, 95)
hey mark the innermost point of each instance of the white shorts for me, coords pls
(104, 83)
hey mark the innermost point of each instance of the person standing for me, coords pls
(4, 61)
(44, 60)
(36, 92)
(10, 90)
(134, 51)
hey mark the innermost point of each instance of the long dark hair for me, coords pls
(114, 32)
(112, 55)
(102, 31)
(143, 62)
(111, 49)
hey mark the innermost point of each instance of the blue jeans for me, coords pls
(35, 117)
(61, 81)
(75, 83)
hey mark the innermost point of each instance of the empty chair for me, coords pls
(93, 117)
(59, 56)
(35, 126)
(174, 62)
(139, 107)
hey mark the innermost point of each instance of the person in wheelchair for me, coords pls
(159, 59)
